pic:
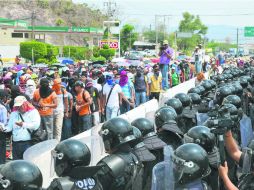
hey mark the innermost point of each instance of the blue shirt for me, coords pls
(3, 115)
(32, 121)
(127, 89)
(164, 59)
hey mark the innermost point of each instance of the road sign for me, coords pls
(112, 43)
(184, 34)
(249, 31)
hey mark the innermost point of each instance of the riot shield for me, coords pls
(201, 118)
(163, 177)
(246, 131)
(40, 155)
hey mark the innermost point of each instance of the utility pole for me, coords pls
(110, 7)
(156, 26)
(237, 42)
(32, 23)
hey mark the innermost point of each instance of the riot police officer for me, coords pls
(153, 143)
(188, 116)
(202, 136)
(20, 175)
(120, 168)
(71, 160)
(167, 129)
(192, 165)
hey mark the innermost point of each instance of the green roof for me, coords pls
(14, 23)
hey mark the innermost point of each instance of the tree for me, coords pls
(192, 24)
(128, 37)
(107, 52)
(39, 50)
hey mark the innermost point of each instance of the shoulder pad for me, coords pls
(62, 183)
(115, 163)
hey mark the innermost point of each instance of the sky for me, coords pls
(221, 16)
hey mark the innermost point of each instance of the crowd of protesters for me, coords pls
(69, 100)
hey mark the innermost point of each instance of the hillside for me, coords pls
(52, 13)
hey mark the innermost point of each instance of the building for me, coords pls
(13, 32)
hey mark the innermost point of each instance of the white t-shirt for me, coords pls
(60, 103)
(114, 98)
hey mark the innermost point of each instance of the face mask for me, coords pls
(110, 81)
(157, 73)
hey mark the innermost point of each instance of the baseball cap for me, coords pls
(79, 83)
(19, 100)
(165, 42)
(63, 84)
(89, 83)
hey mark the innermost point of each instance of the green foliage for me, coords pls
(77, 53)
(42, 60)
(44, 4)
(100, 58)
(192, 24)
(43, 53)
(107, 52)
(60, 22)
(96, 50)
(220, 46)
(39, 50)
(128, 37)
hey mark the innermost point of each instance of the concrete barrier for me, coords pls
(91, 138)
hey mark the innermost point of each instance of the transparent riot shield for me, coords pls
(246, 131)
(201, 118)
(41, 155)
(163, 177)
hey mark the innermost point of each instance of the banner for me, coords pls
(112, 43)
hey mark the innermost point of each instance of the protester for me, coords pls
(61, 110)
(174, 80)
(200, 77)
(166, 54)
(15, 92)
(155, 83)
(128, 91)
(23, 120)
(67, 123)
(197, 54)
(83, 102)
(95, 107)
(45, 100)
(30, 88)
(3, 122)
(141, 87)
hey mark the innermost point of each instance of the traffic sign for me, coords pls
(184, 34)
(112, 43)
(249, 31)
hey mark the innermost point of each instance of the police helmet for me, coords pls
(116, 132)
(191, 163)
(195, 98)
(207, 85)
(202, 90)
(144, 125)
(176, 104)
(20, 175)
(164, 115)
(221, 93)
(202, 136)
(233, 99)
(244, 82)
(238, 89)
(194, 90)
(235, 113)
(184, 98)
(70, 153)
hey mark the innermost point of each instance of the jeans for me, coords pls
(66, 131)
(85, 122)
(125, 107)
(19, 148)
(198, 66)
(2, 148)
(164, 73)
(58, 125)
(155, 95)
(111, 112)
(47, 124)
(140, 98)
